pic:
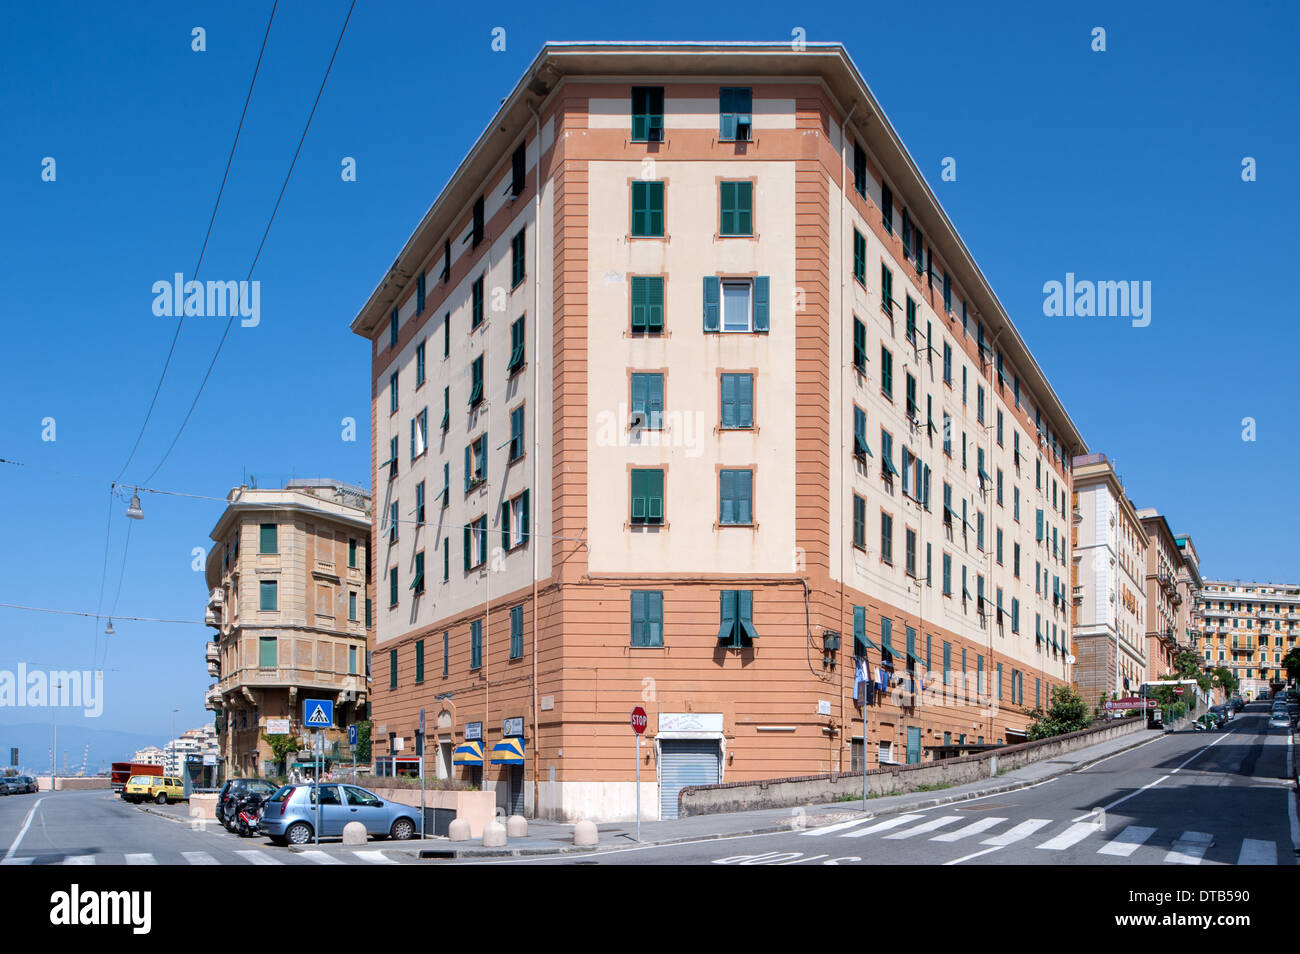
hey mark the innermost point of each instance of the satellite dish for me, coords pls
(1069, 660)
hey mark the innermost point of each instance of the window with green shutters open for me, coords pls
(647, 209)
(476, 543)
(735, 113)
(518, 257)
(736, 497)
(647, 496)
(859, 258)
(419, 503)
(417, 580)
(859, 345)
(476, 224)
(910, 329)
(516, 346)
(476, 462)
(887, 208)
(419, 434)
(515, 522)
(736, 304)
(476, 644)
(859, 169)
(392, 586)
(391, 463)
(860, 448)
(737, 401)
(392, 393)
(736, 623)
(647, 618)
(859, 522)
(516, 434)
(476, 381)
(886, 373)
(647, 304)
(446, 408)
(419, 365)
(736, 202)
(476, 303)
(393, 522)
(648, 399)
(446, 483)
(887, 468)
(516, 632)
(647, 114)
(886, 538)
(886, 291)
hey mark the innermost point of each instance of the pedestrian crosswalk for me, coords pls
(245, 856)
(1174, 846)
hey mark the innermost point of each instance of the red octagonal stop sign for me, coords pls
(639, 721)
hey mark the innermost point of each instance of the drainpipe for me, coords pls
(537, 353)
(844, 723)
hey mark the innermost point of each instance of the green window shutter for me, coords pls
(419, 660)
(467, 548)
(446, 652)
(516, 631)
(745, 613)
(469, 467)
(712, 302)
(727, 204)
(761, 302)
(268, 538)
(392, 669)
(1039, 524)
(505, 525)
(368, 609)
(859, 257)
(727, 624)
(268, 593)
(886, 290)
(655, 496)
(392, 586)
(729, 400)
(523, 517)
(859, 630)
(638, 496)
(639, 618)
(268, 652)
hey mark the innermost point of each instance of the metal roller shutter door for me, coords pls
(685, 762)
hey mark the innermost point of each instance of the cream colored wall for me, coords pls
(691, 447)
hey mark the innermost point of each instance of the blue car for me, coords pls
(290, 814)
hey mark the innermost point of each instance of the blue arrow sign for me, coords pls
(318, 713)
(352, 735)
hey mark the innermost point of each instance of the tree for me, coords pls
(363, 741)
(281, 747)
(1066, 713)
(1226, 680)
(1291, 663)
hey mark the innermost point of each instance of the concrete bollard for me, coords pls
(458, 830)
(517, 826)
(354, 833)
(494, 835)
(584, 834)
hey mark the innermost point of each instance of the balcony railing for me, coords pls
(294, 676)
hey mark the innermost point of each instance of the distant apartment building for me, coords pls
(1190, 620)
(191, 746)
(1165, 614)
(1110, 556)
(150, 755)
(1249, 628)
(290, 602)
(687, 394)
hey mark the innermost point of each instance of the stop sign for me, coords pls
(639, 721)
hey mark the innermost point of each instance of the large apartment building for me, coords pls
(687, 394)
(1110, 560)
(1249, 628)
(290, 603)
(1165, 613)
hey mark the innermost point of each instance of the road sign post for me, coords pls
(352, 741)
(318, 714)
(638, 726)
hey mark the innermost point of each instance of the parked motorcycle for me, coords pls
(248, 814)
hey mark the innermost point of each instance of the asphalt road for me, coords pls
(1187, 798)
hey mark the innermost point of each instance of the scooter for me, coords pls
(248, 814)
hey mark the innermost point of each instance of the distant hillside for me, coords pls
(106, 746)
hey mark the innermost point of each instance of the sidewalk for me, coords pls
(549, 837)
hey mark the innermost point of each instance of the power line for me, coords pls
(112, 485)
(285, 185)
(98, 616)
(203, 250)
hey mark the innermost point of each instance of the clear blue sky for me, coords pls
(1117, 165)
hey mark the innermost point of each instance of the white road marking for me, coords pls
(801, 861)
(1189, 849)
(142, 858)
(924, 827)
(1071, 836)
(974, 828)
(320, 858)
(17, 861)
(1120, 801)
(258, 858)
(23, 831)
(882, 825)
(1127, 841)
(830, 829)
(957, 861)
(374, 857)
(1257, 852)
(79, 860)
(199, 858)
(1023, 830)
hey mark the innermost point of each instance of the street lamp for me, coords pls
(108, 630)
(134, 511)
(173, 737)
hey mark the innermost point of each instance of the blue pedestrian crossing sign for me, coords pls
(318, 713)
(352, 735)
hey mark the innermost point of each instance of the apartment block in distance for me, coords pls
(1110, 561)
(290, 604)
(687, 394)
(1165, 635)
(1249, 628)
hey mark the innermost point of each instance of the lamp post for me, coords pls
(173, 736)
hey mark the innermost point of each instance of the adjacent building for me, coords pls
(191, 747)
(1165, 616)
(1110, 579)
(150, 755)
(1249, 628)
(687, 394)
(290, 601)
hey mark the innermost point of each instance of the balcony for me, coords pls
(212, 699)
(217, 597)
(212, 617)
(212, 652)
(303, 677)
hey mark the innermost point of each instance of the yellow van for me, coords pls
(159, 788)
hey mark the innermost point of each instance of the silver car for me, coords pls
(291, 813)
(1280, 719)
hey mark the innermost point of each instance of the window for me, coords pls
(909, 383)
(476, 303)
(516, 346)
(446, 483)
(947, 575)
(419, 364)
(648, 209)
(476, 226)
(476, 543)
(647, 304)
(419, 661)
(518, 257)
(859, 258)
(999, 486)
(516, 433)
(887, 454)
(419, 433)
(736, 624)
(476, 381)
(979, 403)
(947, 364)
(886, 538)
(392, 458)
(514, 522)
(647, 114)
(392, 522)
(860, 169)
(648, 398)
(859, 345)
(947, 294)
(352, 552)
(417, 581)
(647, 495)
(910, 328)
(446, 559)
(735, 108)
(1015, 504)
(518, 169)
(887, 208)
(947, 434)
(267, 652)
(446, 334)
(446, 652)
(392, 586)
(999, 420)
(886, 290)
(476, 644)
(860, 448)
(998, 536)
(446, 408)
(475, 462)
(1015, 560)
(1015, 613)
(268, 596)
(736, 493)
(647, 618)
(736, 201)
(392, 329)
(352, 660)
(859, 522)
(392, 393)
(737, 305)
(886, 373)
(419, 502)
(516, 631)
(737, 401)
(909, 546)
(268, 539)
(352, 606)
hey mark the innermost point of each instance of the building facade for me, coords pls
(1249, 628)
(290, 602)
(1165, 614)
(1110, 605)
(686, 394)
